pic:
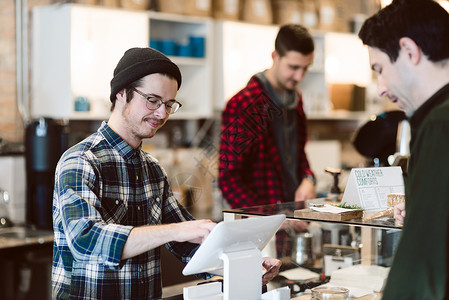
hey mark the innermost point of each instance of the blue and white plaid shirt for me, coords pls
(103, 188)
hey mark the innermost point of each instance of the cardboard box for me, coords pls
(87, 2)
(331, 15)
(357, 11)
(171, 6)
(348, 97)
(343, 15)
(287, 11)
(310, 14)
(350, 14)
(257, 11)
(227, 9)
(135, 4)
(109, 3)
(202, 8)
(370, 7)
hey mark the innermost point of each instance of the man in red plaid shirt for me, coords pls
(262, 158)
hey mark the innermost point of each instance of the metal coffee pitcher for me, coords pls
(303, 253)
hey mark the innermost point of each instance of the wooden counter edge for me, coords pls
(377, 296)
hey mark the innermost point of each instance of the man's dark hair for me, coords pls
(293, 37)
(424, 21)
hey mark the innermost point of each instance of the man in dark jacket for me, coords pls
(408, 44)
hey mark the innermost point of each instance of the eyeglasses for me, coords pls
(153, 103)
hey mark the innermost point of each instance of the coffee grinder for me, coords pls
(45, 141)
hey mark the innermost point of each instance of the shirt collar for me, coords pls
(287, 99)
(424, 109)
(117, 142)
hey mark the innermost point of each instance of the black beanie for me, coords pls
(140, 62)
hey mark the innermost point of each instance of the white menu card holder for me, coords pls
(369, 187)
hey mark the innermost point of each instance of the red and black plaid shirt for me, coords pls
(249, 163)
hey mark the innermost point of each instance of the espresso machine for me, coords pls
(45, 141)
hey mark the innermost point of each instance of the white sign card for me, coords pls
(369, 187)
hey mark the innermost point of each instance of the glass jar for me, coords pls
(329, 293)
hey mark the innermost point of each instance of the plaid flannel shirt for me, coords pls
(249, 163)
(103, 188)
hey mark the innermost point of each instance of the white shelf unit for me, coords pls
(74, 51)
(76, 47)
(196, 88)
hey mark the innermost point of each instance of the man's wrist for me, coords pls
(311, 178)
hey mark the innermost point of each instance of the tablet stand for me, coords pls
(242, 280)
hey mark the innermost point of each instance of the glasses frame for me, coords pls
(168, 109)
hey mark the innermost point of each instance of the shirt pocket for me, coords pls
(114, 210)
(154, 210)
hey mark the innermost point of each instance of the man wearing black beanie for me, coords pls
(113, 207)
